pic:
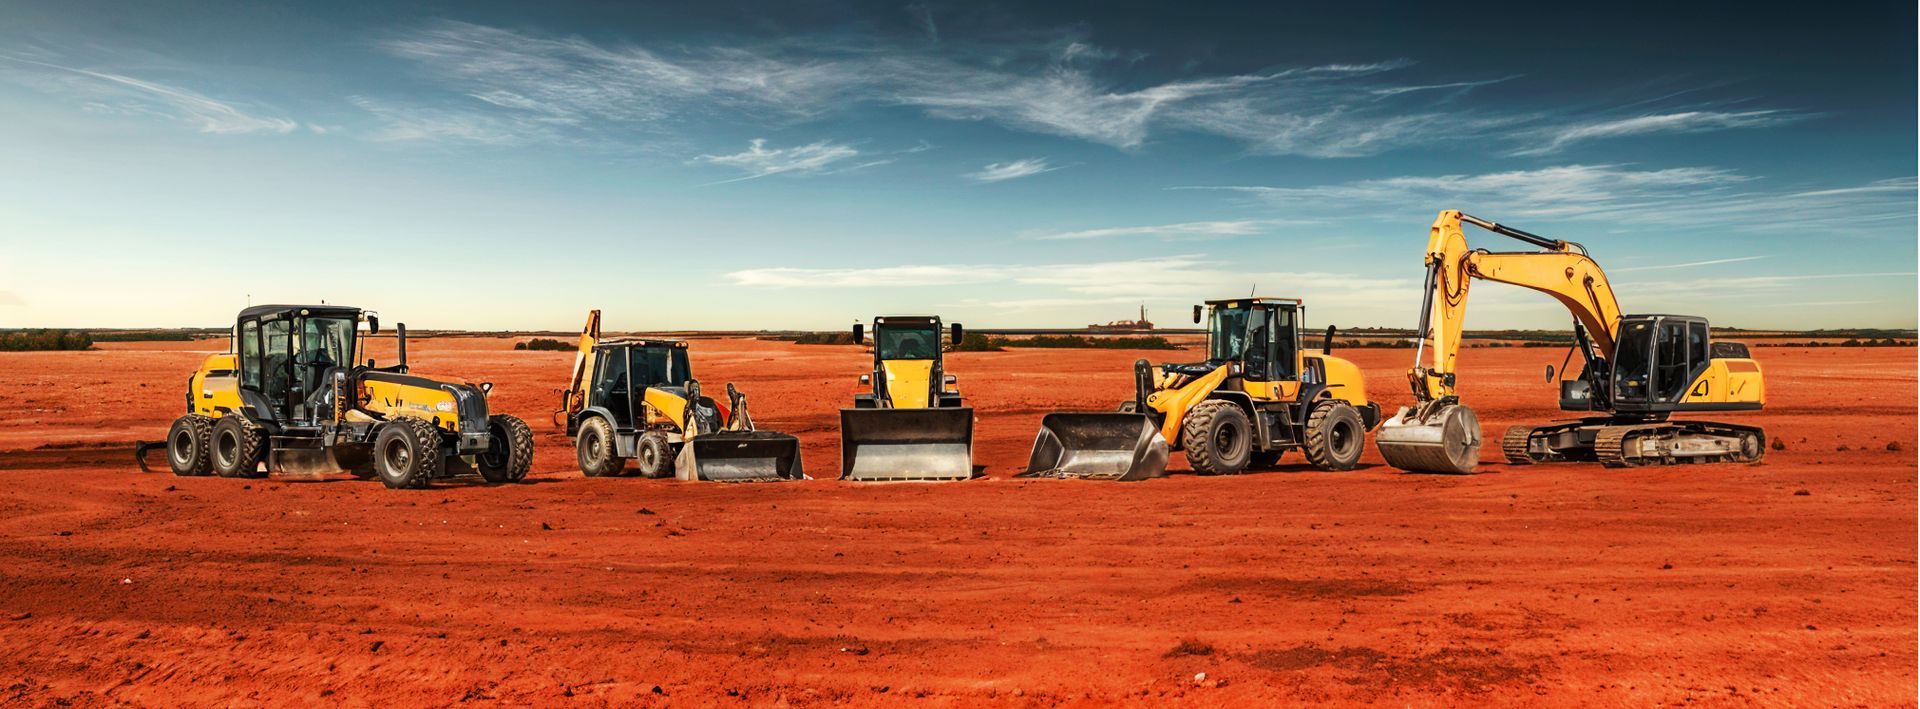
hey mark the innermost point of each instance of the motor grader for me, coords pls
(1257, 395)
(636, 398)
(1637, 370)
(289, 397)
(908, 421)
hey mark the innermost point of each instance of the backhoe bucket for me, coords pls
(1098, 446)
(740, 456)
(1442, 438)
(906, 444)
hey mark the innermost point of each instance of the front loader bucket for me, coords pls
(906, 444)
(1098, 446)
(737, 456)
(1439, 439)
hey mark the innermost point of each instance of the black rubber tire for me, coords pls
(510, 455)
(1266, 459)
(654, 455)
(1334, 436)
(1218, 438)
(238, 447)
(188, 441)
(406, 454)
(594, 447)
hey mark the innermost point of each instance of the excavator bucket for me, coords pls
(740, 456)
(1439, 439)
(906, 444)
(1098, 446)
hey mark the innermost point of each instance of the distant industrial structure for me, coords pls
(1126, 325)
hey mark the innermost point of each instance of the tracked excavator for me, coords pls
(636, 398)
(908, 421)
(1638, 370)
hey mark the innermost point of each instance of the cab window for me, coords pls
(250, 355)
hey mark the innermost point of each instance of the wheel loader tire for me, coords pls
(511, 453)
(406, 454)
(1218, 438)
(1334, 436)
(187, 443)
(654, 455)
(238, 448)
(594, 447)
(1267, 459)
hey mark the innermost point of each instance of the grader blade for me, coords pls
(1097, 446)
(906, 444)
(1443, 438)
(740, 456)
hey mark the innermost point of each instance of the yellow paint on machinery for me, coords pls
(908, 382)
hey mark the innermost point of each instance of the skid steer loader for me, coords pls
(289, 395)
(908, 423)
(637, 398)
(1257, 396)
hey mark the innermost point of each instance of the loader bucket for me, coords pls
(906, 444)
(737, 456)
(1098, 446)
(1442, 439)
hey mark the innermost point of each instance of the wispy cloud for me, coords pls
(1001, 171)
(1690, 264)
(1559, 138)
(758, 160)
(206, 114)
(1186, 230)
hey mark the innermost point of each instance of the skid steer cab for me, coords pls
(634, 398)
(1257, 395)
(908, 422)
(293, 395)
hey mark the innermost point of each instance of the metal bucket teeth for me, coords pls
(1097, 446)
(1446, 440)
(740, 456)
(906, 444)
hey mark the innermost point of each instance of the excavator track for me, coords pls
(1678, 443)
(1514, 445)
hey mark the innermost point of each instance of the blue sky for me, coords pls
(803, 165)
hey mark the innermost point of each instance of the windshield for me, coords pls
(908, 342)
(661, 366)
(325, 342)
(1632, 364)
(1228, 332)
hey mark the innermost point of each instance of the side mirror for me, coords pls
(373, 323)
(1549, 372)
(1196, 315)
(958, 333)
(486, 388)
(1327, 347)
(859, 333)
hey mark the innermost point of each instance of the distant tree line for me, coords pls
(544, 344)
(44, 340)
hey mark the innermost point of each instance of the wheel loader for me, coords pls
(289, 397)
(1257, 395)
(1637, 370)
(636, 398)
(908, 422)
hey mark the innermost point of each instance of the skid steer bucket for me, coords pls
(1098, 446)
(1443, 438)
(906, 444)
(736, 456)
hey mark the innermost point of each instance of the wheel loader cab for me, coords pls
(908, 368)
(1263, 336)
(624, 371)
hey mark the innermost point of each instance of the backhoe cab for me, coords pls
(908, 422)
(288, 394)
(636, 398)
(1256, 396)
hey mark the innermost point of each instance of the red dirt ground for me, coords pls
(1790, 582)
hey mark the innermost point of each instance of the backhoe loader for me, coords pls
(1637, 369)
(637, 398)
(289, 394)
(1255, 397)
(909, 423)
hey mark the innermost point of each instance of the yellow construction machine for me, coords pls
(289, 395)
(1258, 395)
(637, 398)
(908, 423)
(1637, 369)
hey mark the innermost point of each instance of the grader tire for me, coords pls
(1334, 436)
(1218, 438)
(511, 454)
(594, 447)
(188, 441)
(406, 454)
(238, 448)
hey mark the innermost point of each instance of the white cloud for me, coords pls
(205, 114)
(1680, 122)
(1000, 171)
(1690, 264)
(1187, 230)
(760, 161)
